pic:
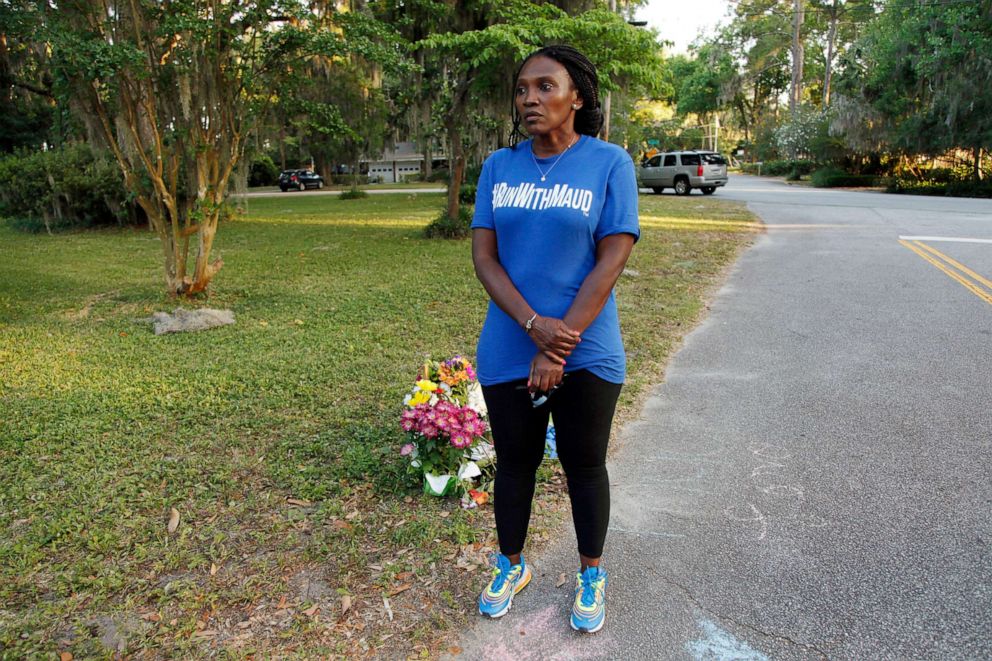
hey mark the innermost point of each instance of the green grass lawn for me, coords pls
(275, 439)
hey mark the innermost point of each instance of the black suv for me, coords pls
(300, 180)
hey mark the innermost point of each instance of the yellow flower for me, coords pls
(427, 386)
(420, 397)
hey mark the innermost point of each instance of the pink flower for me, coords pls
(475, 427)
(408, 419)
(406, 449)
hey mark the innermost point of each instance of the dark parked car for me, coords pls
(300, 180)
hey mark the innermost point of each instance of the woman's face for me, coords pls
(544, 96)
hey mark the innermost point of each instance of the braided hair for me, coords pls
(588, 118)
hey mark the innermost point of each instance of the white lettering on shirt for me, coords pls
(529, 196)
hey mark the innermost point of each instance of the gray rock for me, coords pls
(182, 321)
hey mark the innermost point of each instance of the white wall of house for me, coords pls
(405, 159)
(391, 172)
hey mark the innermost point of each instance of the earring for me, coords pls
(575, 106)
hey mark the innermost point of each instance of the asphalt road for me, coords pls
(812, 479)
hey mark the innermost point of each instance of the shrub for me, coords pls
(953, 189)
(263, 172)
(445, 227)
(441, 174)
(73, 187)
(466, 194)
(970, 188)
(832, 177)
(354, 193)
(780, 168)
(349, 179)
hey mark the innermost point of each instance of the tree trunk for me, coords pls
(204, 270)
(796, 88)
(456, 163)
(831, 41)
(978, 164)
(428, 163)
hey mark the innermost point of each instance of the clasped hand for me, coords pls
(545, 374)
(554, 338)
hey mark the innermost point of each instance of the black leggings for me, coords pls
(583, 413)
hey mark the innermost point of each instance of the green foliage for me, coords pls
(832, 177)
(922, 78)
(780, 168)
(263, 171)
(952, 182)
(62, 189)
(702, 82)
(441, 174)
(349, 179)
(353, 193)
(969, 188)
(28, 117)
(445, 227)
(466, 195)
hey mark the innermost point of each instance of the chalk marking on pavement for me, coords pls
(949, 239)
(968, 284)
(719, 645)
(645, 532)
(758, 518)
(961, 267)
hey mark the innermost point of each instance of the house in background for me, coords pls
(404, 161)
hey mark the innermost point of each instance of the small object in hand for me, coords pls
(539, 398)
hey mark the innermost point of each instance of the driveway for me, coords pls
(812, 480)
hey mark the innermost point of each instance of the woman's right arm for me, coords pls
(552, 336)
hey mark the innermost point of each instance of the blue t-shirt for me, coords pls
(546, 235)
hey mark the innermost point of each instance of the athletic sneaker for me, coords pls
(589, 609)
(508, 580)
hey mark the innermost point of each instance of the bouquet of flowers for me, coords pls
(445, 417)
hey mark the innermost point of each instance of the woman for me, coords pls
(555, 220)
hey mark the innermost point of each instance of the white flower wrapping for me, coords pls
(476, 401)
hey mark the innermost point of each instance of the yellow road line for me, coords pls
(969, 285)
(960, 267)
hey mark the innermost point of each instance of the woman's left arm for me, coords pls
(612, 252)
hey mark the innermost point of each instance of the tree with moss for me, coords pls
(174, 89)
(923, 74)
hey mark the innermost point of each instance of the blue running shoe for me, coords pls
(589, 609)
(508, 580)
